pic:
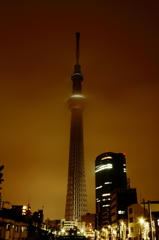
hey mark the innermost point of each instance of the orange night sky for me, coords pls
(119, 57)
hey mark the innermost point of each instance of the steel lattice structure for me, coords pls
(76, 200)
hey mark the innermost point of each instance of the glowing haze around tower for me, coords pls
(76, 199)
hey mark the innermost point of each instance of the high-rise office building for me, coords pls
(110, 173)
(76, 199)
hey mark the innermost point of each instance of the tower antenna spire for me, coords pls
(77, 47)
(77, 67)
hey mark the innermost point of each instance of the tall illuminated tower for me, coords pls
(76, 200)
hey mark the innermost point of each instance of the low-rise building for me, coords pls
(89, 220)
(155, 225)
(12, 229)
(138, 222)
(121, 198)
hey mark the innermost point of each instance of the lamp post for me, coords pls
(150, 219)
(123, 230)
(62, 231)
(141, 221)
(109, 232)
(118, 231)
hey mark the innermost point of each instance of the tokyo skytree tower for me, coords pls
(76, 199)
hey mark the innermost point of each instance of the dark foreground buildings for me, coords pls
(76, 200)
(110, 176)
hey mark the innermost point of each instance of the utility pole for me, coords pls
(150, 219)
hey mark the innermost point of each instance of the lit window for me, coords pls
(121, 212)
(108, 183)
(106, 194)
(16, 228)
(8, 226)
(23, 228)
(102, 167)
(107, 157)
(153, 223)
(124, 169)
(24, 208)
(107, 205)
(98, 187)
(158, 222)
(106, 199)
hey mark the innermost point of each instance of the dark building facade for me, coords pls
(121, 198)
(110, 173)
(155, 221)
(76, 200)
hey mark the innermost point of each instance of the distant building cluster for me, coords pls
(18, 222)
(118, 214)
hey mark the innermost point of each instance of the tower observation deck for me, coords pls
(76, 199)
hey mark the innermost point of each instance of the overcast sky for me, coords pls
(119, 57)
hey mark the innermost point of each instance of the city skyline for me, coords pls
(119, 59)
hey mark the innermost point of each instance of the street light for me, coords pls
(123, 229)
(62, 231)
(141, 221)
(110, 232)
